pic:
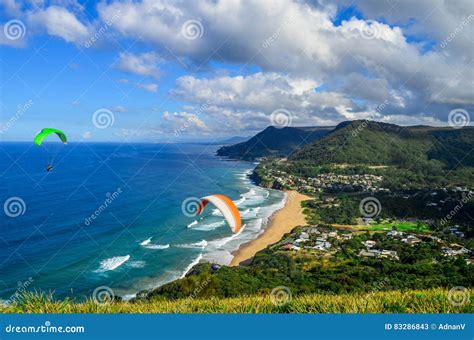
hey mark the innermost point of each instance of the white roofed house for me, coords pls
(394, 233)
(322, 245)
(365, 253)
(369, 243)
(304, 236)
(314, 231)
(389, 254)
(411, 239)
(346, 236)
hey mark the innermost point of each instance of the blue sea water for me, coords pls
(111, 215)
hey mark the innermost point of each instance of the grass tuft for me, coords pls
(413, 301)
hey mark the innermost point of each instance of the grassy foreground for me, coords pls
(414, 301)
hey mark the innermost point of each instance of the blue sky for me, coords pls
(162, 71)
(67, 84)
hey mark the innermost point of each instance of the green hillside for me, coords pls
(375, 143)
(274, 142)
(338, 271)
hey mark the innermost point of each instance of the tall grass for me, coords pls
(415, 301)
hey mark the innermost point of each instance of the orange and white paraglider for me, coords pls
(226, 207)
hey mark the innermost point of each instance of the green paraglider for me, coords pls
(48, 131)
(39, 138)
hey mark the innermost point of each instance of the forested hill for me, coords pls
(274, 142)
(376, 143)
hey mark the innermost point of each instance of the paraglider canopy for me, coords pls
(48, 131)
(226, 207)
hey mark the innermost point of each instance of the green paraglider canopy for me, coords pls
(48, 131)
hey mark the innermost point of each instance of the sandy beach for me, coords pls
(282, 222)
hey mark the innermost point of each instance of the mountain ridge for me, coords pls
(377, 143)
(274, 142)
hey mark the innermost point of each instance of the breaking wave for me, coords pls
(112, 263)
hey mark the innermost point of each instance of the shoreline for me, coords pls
(289, 196)
(281, 222)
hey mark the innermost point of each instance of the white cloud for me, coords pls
(183, 122)
(428, 19)
(150, 87)
(145, 64)
(320, 71)
(59, 22)
(246, 102)
(11, 7)
(298, 39)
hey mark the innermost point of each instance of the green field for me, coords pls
(400, 226)
(412, 301)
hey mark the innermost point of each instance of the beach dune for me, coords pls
(281, 222)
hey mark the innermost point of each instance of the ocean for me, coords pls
(112, 215)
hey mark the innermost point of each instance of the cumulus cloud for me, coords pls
(365, 60)
(418, 60)
(432, 20)
(183, 122)
(145, 64)
(59, 22)
(247, 102)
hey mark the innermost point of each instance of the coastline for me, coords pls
(280, 223)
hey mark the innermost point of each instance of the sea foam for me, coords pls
(147, 241)
(192, 224)
(112, 263)
(157, 246)
(191, 265)
(201, 244)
